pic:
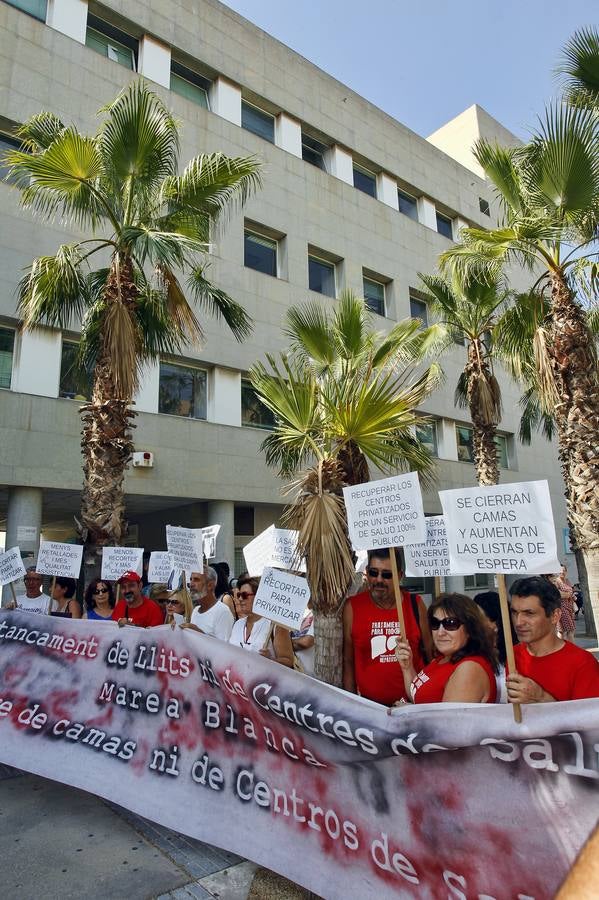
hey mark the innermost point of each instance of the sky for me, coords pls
(425, 61)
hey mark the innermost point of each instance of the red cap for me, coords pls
(129, 576)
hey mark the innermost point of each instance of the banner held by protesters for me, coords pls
(324, 787)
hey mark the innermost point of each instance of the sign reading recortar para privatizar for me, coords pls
(282, 598)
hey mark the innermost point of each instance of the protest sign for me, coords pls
(185, 546)
(160, 567)
(385, 513)
(118, 560)
(209, 536)
(11, 566)
(431, 559)
(55, 559)
(273, 547)
(282, 598)
(506, 528)
(319, 785)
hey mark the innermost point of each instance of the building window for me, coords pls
(253, 410)
(502, 454)
(484, 207)
(408, 205)
(426, 433)
(444, 226)
(374, 295)
(75, 382)
(35, 8)
(189, 84)
(257, 121)
(313, 152)
(7, 346)
(243, 524)
(7, 143)
(182, 391)
(321, 276)
(465, 437)
(480, 580)
(111, 42)
(364, 181)
(260, 253)
(419, 310)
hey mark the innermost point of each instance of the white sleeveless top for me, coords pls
(258, 634)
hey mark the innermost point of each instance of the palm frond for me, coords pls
(38, 132)
(580, 68)
(308, 330)
(217, 303)
(160, 247)
(213, 182)
(499, 164)
(460, 397)
(533, 418)
(54, 291)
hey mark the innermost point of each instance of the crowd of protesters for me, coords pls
(452, 651)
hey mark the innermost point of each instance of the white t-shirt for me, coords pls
(257, 638)
(217, 621)
(39, 604)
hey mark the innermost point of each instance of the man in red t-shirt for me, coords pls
(135, 609)
(371, 629)
(548, 668)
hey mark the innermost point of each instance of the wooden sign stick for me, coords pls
(507, 634)
(437, 586)
(400, 616)
(52, 592)
(118, 592)
(14, 596)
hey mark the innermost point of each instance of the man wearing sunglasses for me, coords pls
(371, 629)
(210, 616)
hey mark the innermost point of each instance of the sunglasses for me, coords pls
(174, 603)
(384, 573)
(245, 595)
(101, 591)
(449, 624)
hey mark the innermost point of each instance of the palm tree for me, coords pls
(580, 68)
(468, 313)
(343, 399)
(121, 187)
(549, 190)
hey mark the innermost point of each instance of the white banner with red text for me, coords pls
(330, 790)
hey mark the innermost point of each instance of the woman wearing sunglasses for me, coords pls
(99, 600)
(464, 669)
(252, 632)
(178, 608)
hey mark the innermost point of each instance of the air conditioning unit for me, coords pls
(143, 459)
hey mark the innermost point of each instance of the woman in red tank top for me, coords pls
(464, 669)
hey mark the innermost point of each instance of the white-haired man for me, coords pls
(210, 616)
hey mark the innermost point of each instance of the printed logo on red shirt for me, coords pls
(383, 636)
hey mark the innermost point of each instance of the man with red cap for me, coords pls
(134, 608)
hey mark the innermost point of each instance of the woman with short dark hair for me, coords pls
(463, 671)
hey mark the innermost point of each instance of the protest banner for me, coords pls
(118, 560)
(504, 529)
(209, 536)
(160, 567)
(431, 559)
(386, 513)
(11, 566)
(185, 547)
(55, 559)
(275, 547)
(282, 598)
(326, 788)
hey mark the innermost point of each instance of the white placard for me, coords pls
(185, 546)
(209, 535)
(282, 598)
(506, 528)
(429, 560)
(385, 513)
(55, 558)
(118, 560)
(11, 566)
(160, 567)
(273, 547)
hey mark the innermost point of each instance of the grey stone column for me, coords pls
(23, 524)
(454, 583)
(222, 512)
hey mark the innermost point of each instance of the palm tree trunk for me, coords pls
(485, 452)
(328, 647)
(106, 437)
(574, 369)
(583, 581)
